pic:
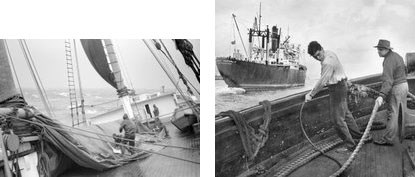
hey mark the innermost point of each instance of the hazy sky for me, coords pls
(140, 65)
(349, 28)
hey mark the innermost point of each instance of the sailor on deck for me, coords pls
(394, 89)
(333, 76)
(157, 122)
(129, 132)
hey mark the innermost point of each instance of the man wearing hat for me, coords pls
(394, 90)
(334, 77)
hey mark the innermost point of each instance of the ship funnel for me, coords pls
(274, 39)
(410, 62)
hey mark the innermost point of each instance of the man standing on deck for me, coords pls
(129, 132)
(157, 122)
(333, 75)
(394, 89)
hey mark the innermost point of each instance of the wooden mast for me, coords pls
(121, 87)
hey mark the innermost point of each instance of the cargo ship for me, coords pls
(264, 66)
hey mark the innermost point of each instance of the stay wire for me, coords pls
(26, 48)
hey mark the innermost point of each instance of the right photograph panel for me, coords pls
(314, 88)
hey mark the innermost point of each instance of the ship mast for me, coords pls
(259, 21)
(121, 88)
(260, 34)
(80, 85)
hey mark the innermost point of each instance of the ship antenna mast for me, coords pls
(259, 26)
(239, 32)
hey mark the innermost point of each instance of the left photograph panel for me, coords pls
(100, 107)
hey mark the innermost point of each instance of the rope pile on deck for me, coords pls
(251, 140)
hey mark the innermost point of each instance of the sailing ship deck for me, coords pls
(156, 165)
(372, 160)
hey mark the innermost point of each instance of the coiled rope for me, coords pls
(309, 140)
(304, 159)
(309, 156)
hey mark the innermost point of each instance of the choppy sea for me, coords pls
(60, 104)
(237, 98)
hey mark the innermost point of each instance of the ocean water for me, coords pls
(237, 99)
(60, 104)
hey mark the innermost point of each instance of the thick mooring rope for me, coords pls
(304, 159)
(360, 144)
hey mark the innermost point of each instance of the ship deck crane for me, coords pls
(239, 32)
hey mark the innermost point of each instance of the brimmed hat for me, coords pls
(383, 44)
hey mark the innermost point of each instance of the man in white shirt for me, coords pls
(334, 77)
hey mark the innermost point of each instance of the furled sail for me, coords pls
(96, 55)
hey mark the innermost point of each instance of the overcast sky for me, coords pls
(349, 28)
(140, 65)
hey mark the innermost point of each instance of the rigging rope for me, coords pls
(186, 49)
(195, 111)
(233, 42)
(99, 104)
(183, 77)
(35, 75)
(56, 128)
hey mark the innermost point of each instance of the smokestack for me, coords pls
(274, 39)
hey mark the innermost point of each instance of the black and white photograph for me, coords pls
(314, 88)
(100, 107)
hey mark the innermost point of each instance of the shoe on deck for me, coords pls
(383, 143)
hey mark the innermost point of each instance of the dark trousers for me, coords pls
(130, 140)
(342, 118)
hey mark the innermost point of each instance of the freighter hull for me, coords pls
(256, 76)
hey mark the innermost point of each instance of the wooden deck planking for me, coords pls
(372, 160)
(156, 165)
(379, 161)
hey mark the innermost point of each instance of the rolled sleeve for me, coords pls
(326, 72)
